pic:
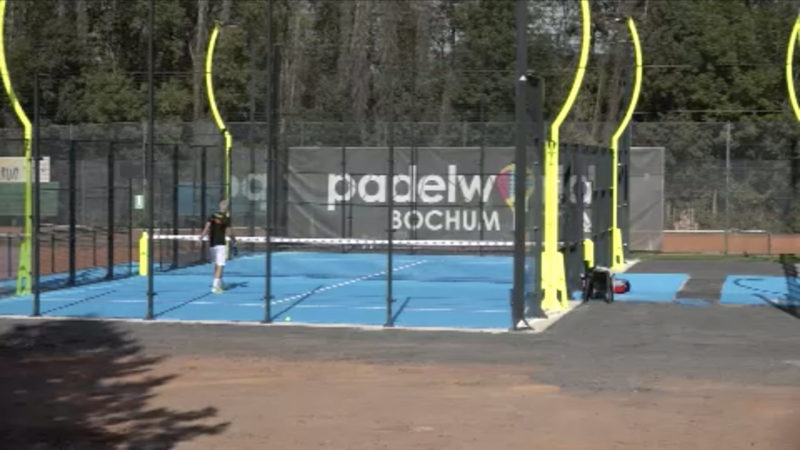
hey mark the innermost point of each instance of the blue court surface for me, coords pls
(652, 287)
(761, 291)
(308, 288)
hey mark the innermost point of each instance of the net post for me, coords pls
(390, 228)
(72, 211)
(37, 197)
(110, 216)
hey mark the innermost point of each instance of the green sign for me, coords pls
(12, 197)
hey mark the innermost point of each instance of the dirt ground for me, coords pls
(347, 405)
(604, 377)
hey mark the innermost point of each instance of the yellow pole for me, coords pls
(24, 268)
(212, 42)
(617, 254)
(143, 254)
(554, 283)
(789, 72)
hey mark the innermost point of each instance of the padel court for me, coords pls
(429, 290)
(309, 288)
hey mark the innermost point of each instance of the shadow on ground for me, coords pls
(85, 384)
(792, 306)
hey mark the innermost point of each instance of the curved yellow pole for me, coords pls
(580, 72)
(617, 254)
(212, 42)
(554, 284)
(789, 72)
(24, 267)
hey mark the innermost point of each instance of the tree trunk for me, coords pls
(343, 72)
(359, 63)
(421, 55)
(81, 20)
(198, 54)
(387, 82)
(61, 9)
(293, 58)
(445, 105)
(225, 15)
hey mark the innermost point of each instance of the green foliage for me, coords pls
(715, 59)
(418, 60)
(106, 96)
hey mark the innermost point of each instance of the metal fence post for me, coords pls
(517, 300)
(271, 172)
(390, 229)
(149, 153)
(175, 167)
(37, 197)
(203, 198)
(110, 216)
(72, 211)
(727, 185)
(130, 227)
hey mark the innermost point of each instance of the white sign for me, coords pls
(429, 189)
(12, 169)
(138, 201)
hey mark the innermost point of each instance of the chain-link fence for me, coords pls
(742, 175)
(716, 176)
(728, 176)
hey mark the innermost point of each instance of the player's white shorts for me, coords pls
(219, 254)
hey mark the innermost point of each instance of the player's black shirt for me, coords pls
(219, 222)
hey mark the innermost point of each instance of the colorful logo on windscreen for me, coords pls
(505, 185)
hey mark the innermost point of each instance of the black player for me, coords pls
(216, 227)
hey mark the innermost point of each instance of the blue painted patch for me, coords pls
(652, 287)
(761, 291)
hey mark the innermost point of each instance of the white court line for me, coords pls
(243, 323)
(345, 283)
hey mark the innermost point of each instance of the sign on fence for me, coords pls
(12, 169)
(12, 199)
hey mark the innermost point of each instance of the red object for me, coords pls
(621, 286)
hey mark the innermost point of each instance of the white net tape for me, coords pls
(351, 241)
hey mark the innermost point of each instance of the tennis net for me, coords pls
(437, 260)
